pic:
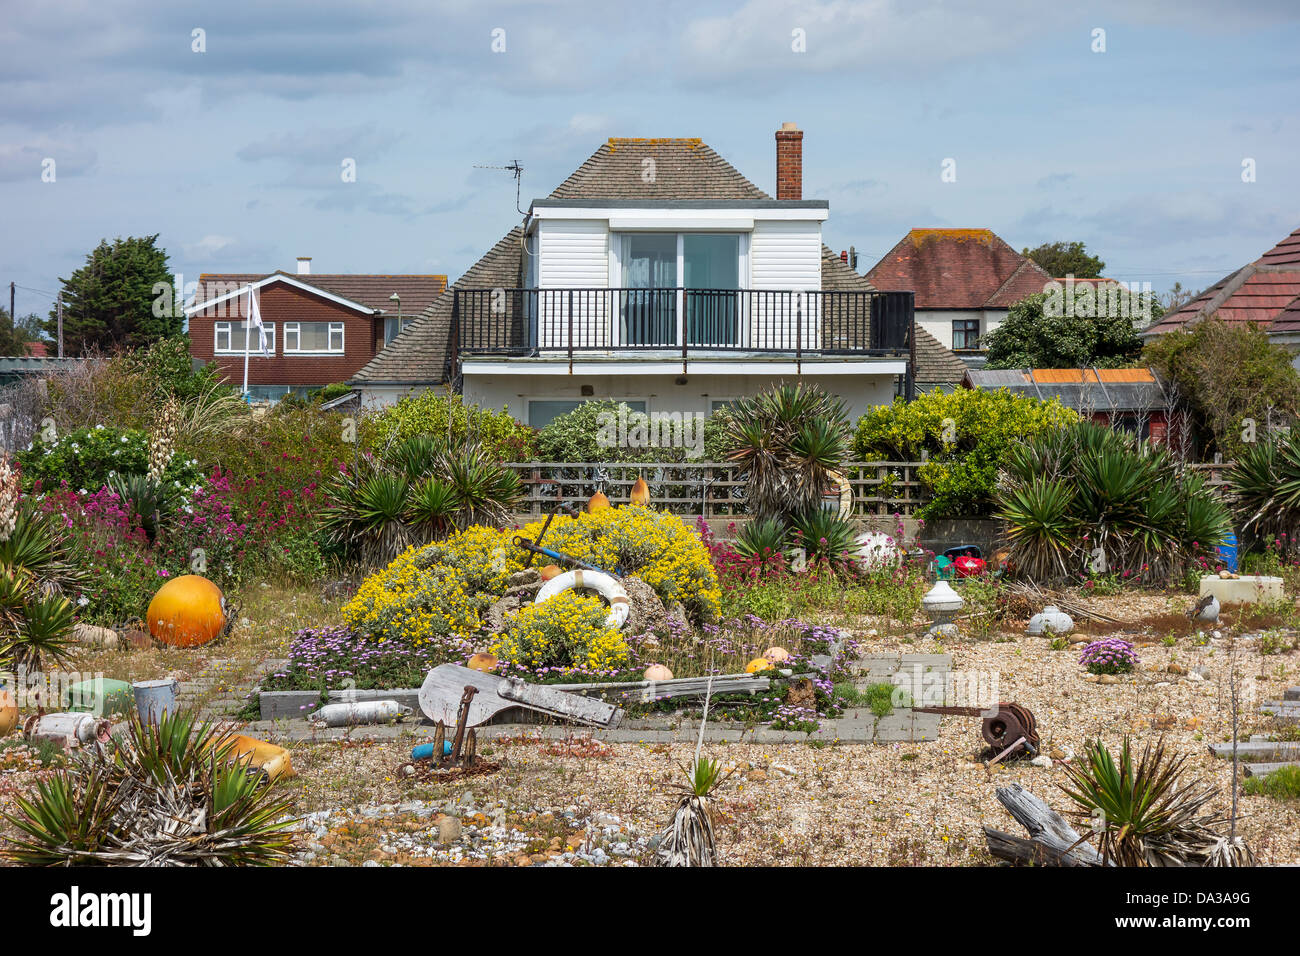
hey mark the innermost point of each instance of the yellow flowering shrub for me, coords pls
(567, 631)
(659, 548)
(433, 596)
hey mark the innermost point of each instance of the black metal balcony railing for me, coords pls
(535, 321)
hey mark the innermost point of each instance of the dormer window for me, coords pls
(656, 264)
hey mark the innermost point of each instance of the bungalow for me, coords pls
(658, 275)
(1265, 292)
(320, 328)
(965, 282)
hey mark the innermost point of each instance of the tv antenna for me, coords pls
(515, 170)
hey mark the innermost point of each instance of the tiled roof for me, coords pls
(371, 291)
(935, 365)
(34, 364)
(420, 353)
(1265, 292)
(682, 169)
(958, 269)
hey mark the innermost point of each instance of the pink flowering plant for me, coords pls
(1110, 655)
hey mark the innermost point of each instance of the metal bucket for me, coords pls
(153, 698)
(360, 712)
(66, 729)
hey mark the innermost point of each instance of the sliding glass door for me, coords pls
(649, 317)
(711, 267)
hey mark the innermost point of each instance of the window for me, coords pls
(314, 337)
(229, 338)
(544, 411)
(391, 328)
(708, 265)
(965, 334)
(718, 404)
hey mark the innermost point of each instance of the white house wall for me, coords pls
(660, 391)
(938, 322)
(574, 254)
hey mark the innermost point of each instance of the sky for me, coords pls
(1164, 134)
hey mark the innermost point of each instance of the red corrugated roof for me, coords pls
(958, 269)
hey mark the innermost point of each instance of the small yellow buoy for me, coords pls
(640, 493)
(658, 672)
(597, 502)
(757, 665)
(8, 711)
(776, 654)
(486, 663)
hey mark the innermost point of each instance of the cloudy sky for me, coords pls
(234, 153)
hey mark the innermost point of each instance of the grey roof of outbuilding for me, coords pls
(34, 365)
(1086, 396)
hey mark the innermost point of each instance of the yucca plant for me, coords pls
(417, 457)
(1146, 814)
(153, 500)
(166, 795)
(485, 489)
(38, 548)
(785, 441)
(1042, 531)
(763, 539)
(689, 839)
(433, 506)
(826, 538)
(1265, 486)
(43, 624)
(367, 516)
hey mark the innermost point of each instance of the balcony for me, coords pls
(685, 322)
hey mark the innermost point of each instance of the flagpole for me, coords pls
(248, 329)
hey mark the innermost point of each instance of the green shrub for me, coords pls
(589, 434)
(1282, 784)
(967, 435)
(448, 418)
(87, 458)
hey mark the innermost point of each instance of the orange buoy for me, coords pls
(597, 502)
(551, 571)
(187, 611)
(486, 663)
(658, 672)
(776, 654)
(640, 493)
(8, 711)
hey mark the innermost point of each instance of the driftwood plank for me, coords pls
(1046, 827)
(1291, 693)
(645, 691)
(1014, 849)
(549, 700)
(444, 686)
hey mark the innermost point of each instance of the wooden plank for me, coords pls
(1254, 751)
(1285, 709)
(1046, 828)
(444, 686)
(558, 703)
(646, 691)
(1291, 693)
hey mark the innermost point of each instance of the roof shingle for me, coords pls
(958, 269)
(682, 169)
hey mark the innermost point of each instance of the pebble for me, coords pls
(1042, 760)
(449, 830)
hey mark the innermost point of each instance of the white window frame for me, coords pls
(295, 329)
(228, 328)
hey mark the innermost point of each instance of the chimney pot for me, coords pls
(304, 265)
(844, 256)
(789, 162)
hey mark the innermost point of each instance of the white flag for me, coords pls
(255, 317)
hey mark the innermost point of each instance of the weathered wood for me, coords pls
(1259, 750)
(1014, 849)
(445, 685)
(1264, 769)
(1046, 826)
(648, 690)
(1291, 693)
(1285, 709)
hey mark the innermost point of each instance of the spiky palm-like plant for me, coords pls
(168, 795)
(785, 441)
(367, 516)
(762, 539)
(827, 539)
(1146, 814)
(485, 490)
(689, 839)
(1265, 486)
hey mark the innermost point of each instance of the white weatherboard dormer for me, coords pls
(658, 275)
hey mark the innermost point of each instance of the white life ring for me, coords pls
(600, 582)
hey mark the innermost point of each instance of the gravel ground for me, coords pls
(580, 802)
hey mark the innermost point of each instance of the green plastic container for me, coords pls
(101, 697)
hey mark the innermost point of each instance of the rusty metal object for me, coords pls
(456, 758)
(1012, 728)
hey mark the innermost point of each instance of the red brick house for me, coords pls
(320, 329)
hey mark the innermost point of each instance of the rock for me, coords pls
(677, 612)
(1107, 679)
(801, 693)
(647, 607)
(1076, 638)
(449, 830)
(782, 770)
(756, 776)
(495, 617)
(525, 577)
(1175, 669)
(93, 635)
(137, 638)
(1042, 760)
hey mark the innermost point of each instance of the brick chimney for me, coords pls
(789, 162)
(304, 265)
